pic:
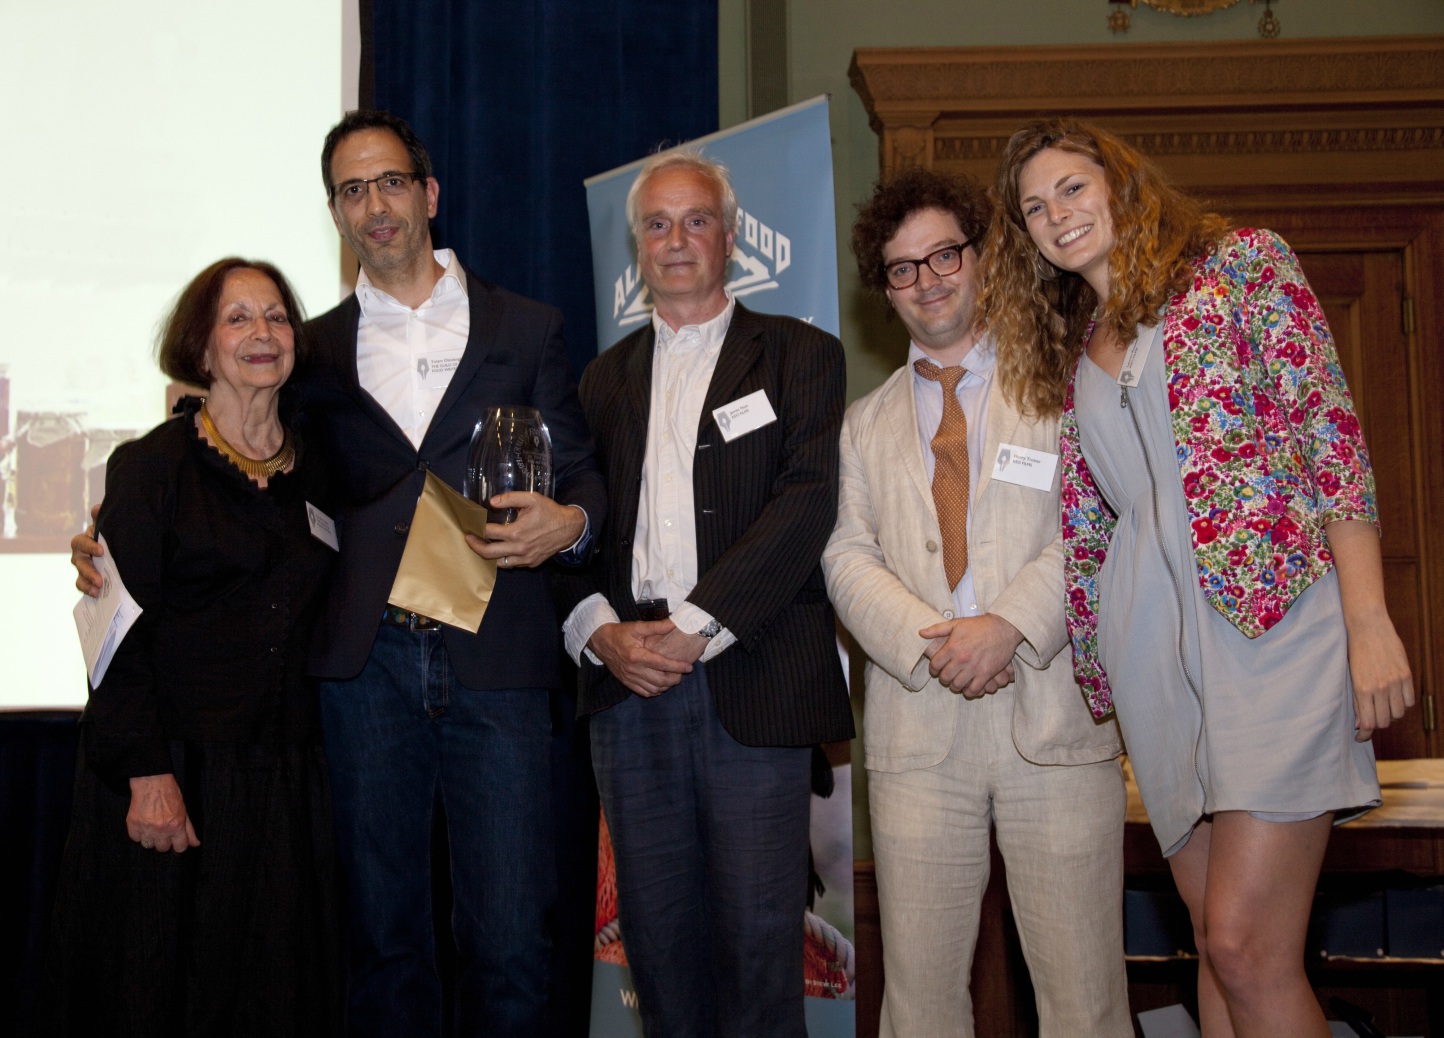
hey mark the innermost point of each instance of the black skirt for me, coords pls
(238, 936)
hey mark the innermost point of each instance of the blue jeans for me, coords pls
(710, 840)
(402, 730)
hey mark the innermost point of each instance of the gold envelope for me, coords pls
(440, 576)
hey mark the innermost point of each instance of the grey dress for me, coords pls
(1212, 720)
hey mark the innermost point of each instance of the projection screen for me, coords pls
(142, 142)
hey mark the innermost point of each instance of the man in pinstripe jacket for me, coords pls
(707, 642)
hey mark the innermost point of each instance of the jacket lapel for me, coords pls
(1002, 424)
(481, 336)
(740, 350)
(900, 414)
(629, 448)
(637, 381)
(350, 376)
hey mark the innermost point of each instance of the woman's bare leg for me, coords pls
(1190, 874)
(1252, 897)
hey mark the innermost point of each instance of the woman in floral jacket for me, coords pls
(1224, 574)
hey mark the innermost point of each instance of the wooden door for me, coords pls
(1363, 298)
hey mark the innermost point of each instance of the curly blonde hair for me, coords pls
(1039, 316)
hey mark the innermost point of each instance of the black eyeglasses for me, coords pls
(350, 192)
(903, 273)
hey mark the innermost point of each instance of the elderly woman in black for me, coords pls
(197, 891)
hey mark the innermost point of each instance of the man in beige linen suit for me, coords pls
(972, 719)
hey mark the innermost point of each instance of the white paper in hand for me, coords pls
(103, 622)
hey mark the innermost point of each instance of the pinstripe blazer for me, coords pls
(765, 504)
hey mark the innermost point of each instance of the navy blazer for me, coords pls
(765, 505)
(514, 355)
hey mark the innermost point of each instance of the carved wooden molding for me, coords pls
(969, 147)
(1257, 73)
(1221, 115)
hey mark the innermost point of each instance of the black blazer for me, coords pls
(765, 505)
(514, 355)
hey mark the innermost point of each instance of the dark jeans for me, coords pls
(710, 839)
(401, 730)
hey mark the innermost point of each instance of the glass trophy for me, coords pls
(511, 449)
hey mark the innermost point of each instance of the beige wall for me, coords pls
(822, 34)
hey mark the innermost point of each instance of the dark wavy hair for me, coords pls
(1039, 315)
(373, 119)
(186, 333)
(896, 198)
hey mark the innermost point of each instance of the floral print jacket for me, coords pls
(1269, 448)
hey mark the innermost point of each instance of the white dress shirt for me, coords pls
(973, 389)
(664, 546)
(405, 357)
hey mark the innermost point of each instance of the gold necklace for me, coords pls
(256, 470)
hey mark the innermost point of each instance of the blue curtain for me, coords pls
(519, 102)
(37, 771)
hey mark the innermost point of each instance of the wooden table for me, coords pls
(1413, 792)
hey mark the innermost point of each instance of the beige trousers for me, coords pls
(1060, 831)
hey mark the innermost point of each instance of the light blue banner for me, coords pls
(784, 260)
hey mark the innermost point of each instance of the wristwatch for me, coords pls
(712, 630)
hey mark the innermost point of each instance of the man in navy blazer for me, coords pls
(412, 710)
(702, 722)
(402, 372)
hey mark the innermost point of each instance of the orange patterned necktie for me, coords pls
(950, 470)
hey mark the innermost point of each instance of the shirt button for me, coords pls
(667, 523)
(947, 614)
(932, 545)
(402, 527)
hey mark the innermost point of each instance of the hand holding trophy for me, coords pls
(511, 449)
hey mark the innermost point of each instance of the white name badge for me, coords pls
(435, 369)
(1137, 355)
(323, 527)
(744, 415)
(1025, 466)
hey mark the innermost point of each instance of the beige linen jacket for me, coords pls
(884, 570)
